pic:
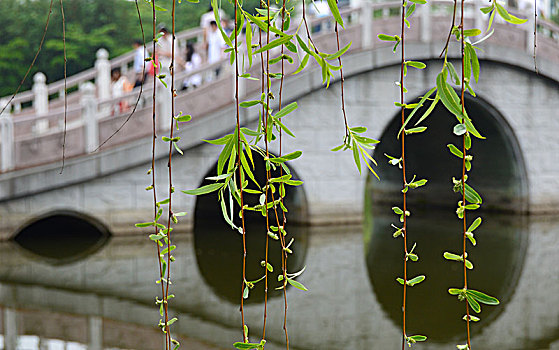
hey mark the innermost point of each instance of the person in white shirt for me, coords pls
(165, 50)
(193, 62)
(139, 61)
(205, 23)
(215, 43)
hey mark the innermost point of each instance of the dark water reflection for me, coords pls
(498, 260)
(106, 299)
(220, 262)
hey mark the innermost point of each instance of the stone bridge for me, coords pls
(516, 167)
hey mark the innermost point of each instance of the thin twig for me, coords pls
(403, 143)
(169, 165)
(462, 44)
(239, 166)
(284, 221)
(342, 83)
(450, 31)
(32, 62)
(65, 87)
(153, 183)
(535, 35)
(141, 85)
(268, 173)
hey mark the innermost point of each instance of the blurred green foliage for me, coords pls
(90, 25)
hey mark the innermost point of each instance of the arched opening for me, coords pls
(219, 249)
(498, 174)
(498, 170)
(61, 237)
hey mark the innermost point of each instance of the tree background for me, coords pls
(90, 25)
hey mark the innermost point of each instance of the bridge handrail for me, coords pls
(90, 73)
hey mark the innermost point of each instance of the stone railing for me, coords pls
(33, 136)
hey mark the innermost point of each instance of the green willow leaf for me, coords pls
(473, 303)
(410, 11)
(246, 346)
(415, 64)
(454, 150)
(472, 196)
(275, 43)
(482, 297)
(471, 32)
(246, 104)
(445, 94)
(416, 280)
(416, 130)
(356, 157)
(220, 141)
(286, 110)
(204, 189)
(455, 291)
(474, 225)
(336, 12)
(303, 64)
(339, 53)
(297, 284)
(385, 37)
(417, 337)
(451, 256)
(507, 16)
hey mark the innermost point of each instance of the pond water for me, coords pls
(105, 300)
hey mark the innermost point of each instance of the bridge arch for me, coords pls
(61, 236)
(498, 169)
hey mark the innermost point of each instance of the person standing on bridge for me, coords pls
(165, 50)
(193, 62)
(139, 61)
(205, 24)
(216, 46)
(119, 86)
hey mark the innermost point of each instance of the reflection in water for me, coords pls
(353, 300)
(498, 259)
(219, 257)
(81, 235)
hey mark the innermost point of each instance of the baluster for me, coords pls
(89, 116)
(6, 139)
(425, 23)
(366, 19)
(103, 79)
(41, 98)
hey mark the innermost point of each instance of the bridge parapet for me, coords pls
(33, 136)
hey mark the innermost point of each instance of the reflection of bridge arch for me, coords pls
(43, 235)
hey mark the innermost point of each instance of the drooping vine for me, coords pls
(407, 10)
(162, 233)
(470, 198)
(65, 86)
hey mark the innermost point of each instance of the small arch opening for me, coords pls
(62, 237)
(219, 249)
